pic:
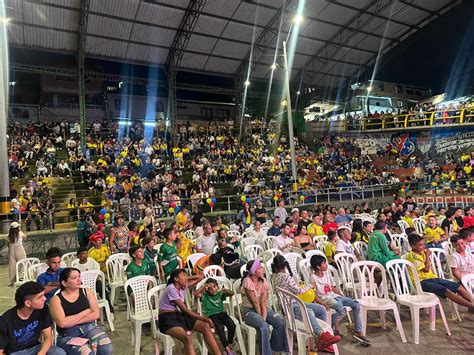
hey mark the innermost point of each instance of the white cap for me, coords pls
(295, 210)
(15, 225)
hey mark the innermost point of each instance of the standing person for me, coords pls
(119, 240)
(16, 250)
(75, 311)
(177, 320)
(22, 326)
(283, 277)
(255, 292)
(281, 212)
(260, 212)
(50, 278)
(213, 307)
(245, 215)
(168, 255)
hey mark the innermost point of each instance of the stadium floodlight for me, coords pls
(247, 83)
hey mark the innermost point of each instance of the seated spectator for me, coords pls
(468, 217)
(315, 228)
(342, 218)
(255, 292)
(206, 243)
(284, 242)
(139, 266)
(450, 225)
(330, 250)
(232, 260)
(213, 307)
(177, 320)
(433, 234)
(149, 252)
(304, 219)
(183, 219)
(283, 277)
(75, 311)
(99, 252)
(257, 232)
(333, 298)
(468, 235)
(22, 326)
(379, 248)
(205, 261)
(302, 240)
(280, 211)
(420, 257)
(462, 261)
(343, 244)
(329, 223)
(168, 255)
(50, 278)
(275, 229)
(85, 263)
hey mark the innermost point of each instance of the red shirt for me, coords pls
(328, 226)
(468, 221)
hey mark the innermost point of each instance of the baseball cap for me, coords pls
(15, 225)
(295, 210)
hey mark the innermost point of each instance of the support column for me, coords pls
(81, 50)
(4, 173)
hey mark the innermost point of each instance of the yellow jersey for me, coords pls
(419, 261)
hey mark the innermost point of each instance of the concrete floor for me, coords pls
(383, 341)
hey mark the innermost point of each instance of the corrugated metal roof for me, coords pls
(223, 32)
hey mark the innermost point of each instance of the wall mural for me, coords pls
(434, 143)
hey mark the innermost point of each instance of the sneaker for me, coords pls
(361, 339)
(326, 339)
(328, 349)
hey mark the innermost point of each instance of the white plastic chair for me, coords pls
(420, 225)
(403, 225)
(247, 241)
(153, 304)
(301, 327)
(233, 234)
(269, 242)
(116, 265)
(411, 295)
(305, 270)
(399, 240)
(308, 254)
(90, 261)
(437, 254)
(190, 234)
(294, 259)
(252, 251)
(23, 273)
(229, 305)
(37, 269)
(68, 258)
(321, 246)
(246, 234)
(137, 306)
(320, 238)
(468, 283)
(89, 280)
(448, 247)
(269, 254)
(343, 262)
(192, 260)
(213, 271)
(250, 331)
(362, 248)
(372, 297)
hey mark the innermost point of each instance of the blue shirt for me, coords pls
(274, 231)
(343, 219)
(46, 278)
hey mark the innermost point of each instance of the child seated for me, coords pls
(333, 298)
(462, 262)
(212, 301)
(420, 257)
(330, 249)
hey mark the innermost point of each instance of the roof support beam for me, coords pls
(345, 34)
(81, 53)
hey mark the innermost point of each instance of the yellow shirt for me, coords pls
(315, 230)
(99, 255)
(419, 261)
(86, 207)
(181, 219)
(409, 221)
(433, 234)
(330, 250)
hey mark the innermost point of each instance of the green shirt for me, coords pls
(135, 270)
(213, 304)
(168, 257)
(378, 249)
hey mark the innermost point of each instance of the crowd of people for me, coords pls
(165, 252)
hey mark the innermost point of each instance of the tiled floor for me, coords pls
(383, 341)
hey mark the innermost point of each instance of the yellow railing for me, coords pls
(416, 119)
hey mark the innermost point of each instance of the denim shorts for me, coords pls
(439, 286)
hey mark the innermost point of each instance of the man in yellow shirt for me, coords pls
(420, 257)
(434, 234)
(183, 219)
(99, 252)
(86, 206)
(316, 227)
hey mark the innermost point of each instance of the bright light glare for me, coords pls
(5, 20)
(274, 66)
(369, 89)
(247, 83)
(298, 19)
(298, 92)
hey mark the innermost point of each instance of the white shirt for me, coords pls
(91, 264)
(281, 213)
(284, 243)
(324, 286)
(344, 247)
(465, 265)
(207, 243)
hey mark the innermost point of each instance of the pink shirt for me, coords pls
(260, 288)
